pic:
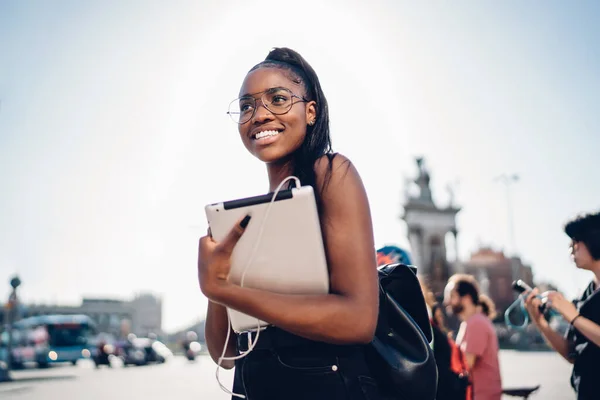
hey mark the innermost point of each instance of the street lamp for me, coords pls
(15, 282)
(11, 306)
(507, 180)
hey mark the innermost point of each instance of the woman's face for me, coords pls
(285, 133)
(581, 255)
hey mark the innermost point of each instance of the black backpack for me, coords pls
(400, 356)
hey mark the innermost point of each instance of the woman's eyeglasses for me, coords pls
(277, 100)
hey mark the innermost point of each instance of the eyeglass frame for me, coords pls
(252, 96)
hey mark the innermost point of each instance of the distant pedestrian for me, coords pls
(476, 337)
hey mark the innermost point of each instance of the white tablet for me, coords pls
(290, 257)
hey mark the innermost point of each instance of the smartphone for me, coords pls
(521, 287)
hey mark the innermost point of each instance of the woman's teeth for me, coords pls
(263, 134)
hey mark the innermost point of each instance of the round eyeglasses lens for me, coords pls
(277, 100)
(242, 109)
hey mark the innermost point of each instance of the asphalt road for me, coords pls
(180, 379)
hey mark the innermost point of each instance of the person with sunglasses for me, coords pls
(581, 343)
(314, 347)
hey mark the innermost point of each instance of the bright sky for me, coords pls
(113, 132)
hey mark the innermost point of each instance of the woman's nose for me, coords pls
(262, 112)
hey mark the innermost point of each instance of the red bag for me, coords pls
(458, 365)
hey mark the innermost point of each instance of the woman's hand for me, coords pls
(214, 259)
(558, 302)
(532, 304)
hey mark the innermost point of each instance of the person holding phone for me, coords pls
(581, 343)
(314, 347)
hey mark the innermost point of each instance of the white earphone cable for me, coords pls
(251, 343)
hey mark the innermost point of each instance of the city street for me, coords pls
(180, 379)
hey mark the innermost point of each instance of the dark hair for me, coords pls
(466, 285)
(434, 321)
(437, 306)
(586, 229)
(318, 140)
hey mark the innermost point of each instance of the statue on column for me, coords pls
(423, 180)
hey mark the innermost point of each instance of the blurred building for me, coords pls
(429, 229)
(495, 273)
(141, 315)
(433, 233)
(147, 314)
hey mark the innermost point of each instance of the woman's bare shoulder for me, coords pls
(333, 167)
(338, 179)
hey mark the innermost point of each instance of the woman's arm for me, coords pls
(552, 338)
(589, 329)
(555, 340)
(215, 332)
(567, 309)
(349, 313)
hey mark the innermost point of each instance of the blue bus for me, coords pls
(49, 339)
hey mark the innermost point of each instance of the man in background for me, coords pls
(476, 337)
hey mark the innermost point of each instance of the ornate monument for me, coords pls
(428, 226)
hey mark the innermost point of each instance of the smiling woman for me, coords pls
(276, 100)
(314, 345)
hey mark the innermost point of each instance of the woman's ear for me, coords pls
(311, 112)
